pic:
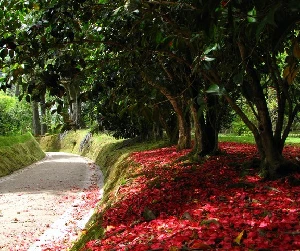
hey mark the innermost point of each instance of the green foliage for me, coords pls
(49, 143)
(6, 141)
(15, 116)
(216, 89)
(238, 127)
(236, 138)
(247, 138)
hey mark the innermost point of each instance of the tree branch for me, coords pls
(167, 3)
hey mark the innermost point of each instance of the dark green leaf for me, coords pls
(208, 59)
(4, 53)
(238, 78)
(158, 37)
(216, 89)
(269, 19)
(215, 47)
(11, 53)
(28, 98)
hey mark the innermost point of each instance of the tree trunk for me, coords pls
(273, 163)
(44, 128)
(75, 112)
(170, 126)
(17, 91)
(157, 132)
(36, 119)
(198, 144)
(184, 126)
(272, 160)
(206, 129)
(212, 124)
(73, 92)
(269, 146)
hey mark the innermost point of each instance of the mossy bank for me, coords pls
(17, 152)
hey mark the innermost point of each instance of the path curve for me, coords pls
(46, 205)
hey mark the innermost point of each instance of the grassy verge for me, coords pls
(6, 141)
(17, 152)
(291, 140)
(236, 138)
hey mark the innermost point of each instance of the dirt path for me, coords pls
(46, 205)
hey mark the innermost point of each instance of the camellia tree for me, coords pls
(41, 57)
(161, 40)
(259, 57)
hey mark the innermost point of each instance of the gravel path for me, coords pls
(46, 205)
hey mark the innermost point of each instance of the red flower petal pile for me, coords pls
(218, 205)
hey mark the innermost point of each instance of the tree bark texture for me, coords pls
(73, 92)
(44, 127)
(36, 124)
(206, 128)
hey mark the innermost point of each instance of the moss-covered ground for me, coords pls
(17, 152)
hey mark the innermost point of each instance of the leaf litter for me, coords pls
(175, 206)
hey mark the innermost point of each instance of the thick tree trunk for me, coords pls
(36, 124)
(157, 132)
(198, 144)
(271, 157)
(269, 144)
(212, 123)
(206, 131)
(170, 127)
(17, 91)
(272, 161)
(168, 123)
